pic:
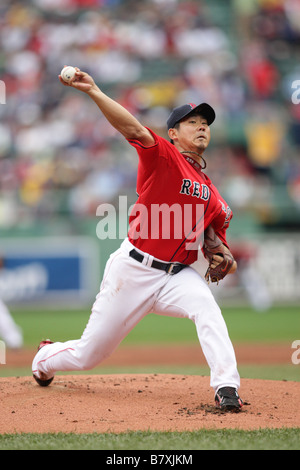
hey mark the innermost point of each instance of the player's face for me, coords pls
(193, 133)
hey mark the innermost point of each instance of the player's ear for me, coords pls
(172, 133)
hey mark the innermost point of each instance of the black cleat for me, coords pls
(227, 399)
(43, 382)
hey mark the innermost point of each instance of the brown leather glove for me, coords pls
(218, 256)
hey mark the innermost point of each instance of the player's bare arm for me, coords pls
(121, 119)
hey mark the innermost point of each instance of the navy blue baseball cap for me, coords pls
(182, 111)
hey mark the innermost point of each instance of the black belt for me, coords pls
(170, 268)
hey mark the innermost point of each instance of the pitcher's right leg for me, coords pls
(126, 295)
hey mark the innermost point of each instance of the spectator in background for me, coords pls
(239, 53)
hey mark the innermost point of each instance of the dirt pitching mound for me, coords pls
(157, 402)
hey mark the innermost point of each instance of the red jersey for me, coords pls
(176, 203)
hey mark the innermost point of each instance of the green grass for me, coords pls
(244, 324)
(231, 439)
(280, 324)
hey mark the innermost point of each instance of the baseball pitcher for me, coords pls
(151, 271)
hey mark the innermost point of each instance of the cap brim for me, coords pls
(206, 111)
(181, 112)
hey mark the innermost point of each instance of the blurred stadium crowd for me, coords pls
(58, 155)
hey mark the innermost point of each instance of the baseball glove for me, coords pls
(218, 256)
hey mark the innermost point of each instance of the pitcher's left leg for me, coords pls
(187, 295)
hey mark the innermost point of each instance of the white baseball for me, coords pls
(68, 73)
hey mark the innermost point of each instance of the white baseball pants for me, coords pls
(129, 291)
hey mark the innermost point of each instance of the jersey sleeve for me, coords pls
(146, 152)
(222, 217)
(150, 159)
